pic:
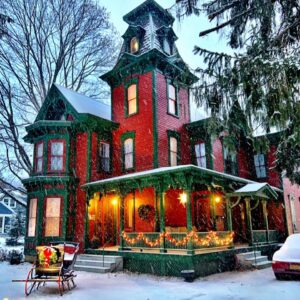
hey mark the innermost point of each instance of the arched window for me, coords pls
(134, 45)
(128, 154)
(166, 46)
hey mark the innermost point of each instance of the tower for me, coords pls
(150, 94)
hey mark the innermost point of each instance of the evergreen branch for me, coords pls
(222, 9)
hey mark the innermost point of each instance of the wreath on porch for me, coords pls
(146, 212)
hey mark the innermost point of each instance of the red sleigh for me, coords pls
(54, 263)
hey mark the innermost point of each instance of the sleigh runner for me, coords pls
(54, 263)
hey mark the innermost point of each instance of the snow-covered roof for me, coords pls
(256, 189)
(84, 104)
(21, 198)
(5, 210)
(176, 168)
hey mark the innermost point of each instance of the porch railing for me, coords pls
(178, 240)
(261, 236)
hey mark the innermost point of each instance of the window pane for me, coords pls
(32, 217)
(104, 150)
(203, 162)
(56, 163)
(131, 92)
(52, 227)
(105, 164)
(39, 165)
(173, 144)
(257, 169)
(197, 150)
(261, 159)
(53, 207)
(128, 146)
(52, 217)
(39, 151)
(32, 208)
(129, 161)
(263, 172)
(134, 45)
(57, 148)
(132, 109)
(202, 149)
(173, 159)
(256, 160)
(172, 92)
(172, 107)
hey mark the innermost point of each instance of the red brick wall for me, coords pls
(141, 123)
(168, 122)
(245, 162)
(291, 189)
(273, 175)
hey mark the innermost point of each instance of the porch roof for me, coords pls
(261, 190)
(175, 176)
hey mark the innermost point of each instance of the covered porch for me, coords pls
(183, 210)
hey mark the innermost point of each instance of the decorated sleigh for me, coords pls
(54, 263)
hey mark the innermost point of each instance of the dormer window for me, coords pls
(134, 45)
(166, 46)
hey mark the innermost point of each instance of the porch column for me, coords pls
(228, 214)
(213, 211)
(249, 221)
(122, 197)
(189, 220)
(162, 194)
(266, 222)
(157, 229)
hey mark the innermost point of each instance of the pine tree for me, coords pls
(262, 75)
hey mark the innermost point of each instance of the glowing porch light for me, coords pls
(114, 202)
(217, 199)
(183, 198)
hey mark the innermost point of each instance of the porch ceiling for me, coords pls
(168, 176)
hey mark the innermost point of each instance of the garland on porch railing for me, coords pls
(211, 239)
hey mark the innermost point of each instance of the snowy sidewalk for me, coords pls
(258, 285)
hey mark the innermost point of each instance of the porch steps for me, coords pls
(253, 259)
(98, 263)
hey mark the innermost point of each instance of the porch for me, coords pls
(180, 210)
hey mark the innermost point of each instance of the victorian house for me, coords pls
(138, 178)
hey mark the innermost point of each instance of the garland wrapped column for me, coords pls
(249, 221)
(122, 197)
(228, 214)
(162, 219)
(189, 221)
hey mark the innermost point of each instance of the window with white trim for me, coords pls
(132, 99)
(56, 156)
(39, 157)
(173, 151)
(128, 154)
(52, 218)
(260, 165)
(200, 155)
(172, 101)
(32, 217)
(104, 156)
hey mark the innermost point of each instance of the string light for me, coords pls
(210, 240)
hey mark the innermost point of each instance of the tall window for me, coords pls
(52, 220)
(173, 151)
(260, 165)
(32, 217)
(166, 46)
(200, 155)
(56, 156)
(134, 45)
(104, 157)
(39, 151)
(132, 99)
(230, 162)
(172, 101)
(128, 154)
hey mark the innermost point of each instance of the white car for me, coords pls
(286, 261)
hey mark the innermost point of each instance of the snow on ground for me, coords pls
(258, 285)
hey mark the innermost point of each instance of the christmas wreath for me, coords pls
(146, 212)
(47, 257)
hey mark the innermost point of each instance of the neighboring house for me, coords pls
(139, 175)
(10, 207)
(6, 214)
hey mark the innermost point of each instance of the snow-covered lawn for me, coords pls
(123, 286)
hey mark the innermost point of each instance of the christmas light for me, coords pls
(114, 202)
(183, 198)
